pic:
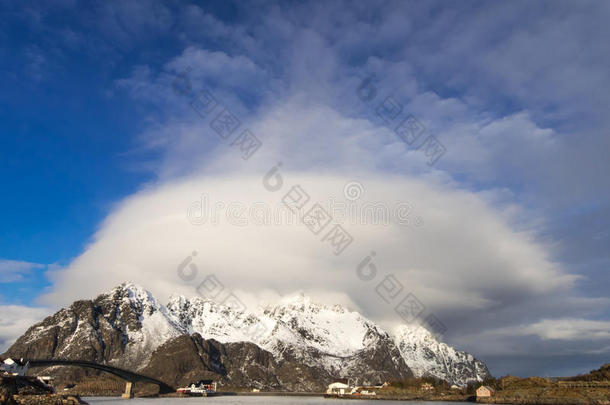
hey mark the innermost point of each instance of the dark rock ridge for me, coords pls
(244, 364)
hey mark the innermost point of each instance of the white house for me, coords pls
(200, 388)
(339, 387)
(14, 366)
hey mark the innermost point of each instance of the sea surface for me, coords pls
(239, 400)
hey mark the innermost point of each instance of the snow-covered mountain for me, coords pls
(428, 357)
(128, 327)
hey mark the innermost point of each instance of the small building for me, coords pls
(14, 366)
(340, 386)
(208, 385)
(427, 387)
(199, 388)
(485, 391)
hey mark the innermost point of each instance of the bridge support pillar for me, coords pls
(128, 391)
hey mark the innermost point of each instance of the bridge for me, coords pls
(129, 376)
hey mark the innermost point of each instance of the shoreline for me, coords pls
(470, 399)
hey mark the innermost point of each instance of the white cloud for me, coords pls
(14, 270)
(525, 130)
(468, 258)
(217, 67)
(15, 320)
(569, 329)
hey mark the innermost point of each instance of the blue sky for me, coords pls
(101, 158)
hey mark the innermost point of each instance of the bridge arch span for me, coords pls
(126, 375)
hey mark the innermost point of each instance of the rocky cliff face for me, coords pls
(295, 345)
(190, 358)
(429, 358)
(121, 328)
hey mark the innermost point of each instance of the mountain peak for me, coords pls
(301, 302)
(131, 287)
(127, 289)
(296, 301)
(414, 331)
(134, 295)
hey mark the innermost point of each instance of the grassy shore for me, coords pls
(542, 391)
(588, 389)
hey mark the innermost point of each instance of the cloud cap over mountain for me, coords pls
(497, 222)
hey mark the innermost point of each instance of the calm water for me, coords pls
(237, 400)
